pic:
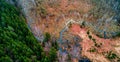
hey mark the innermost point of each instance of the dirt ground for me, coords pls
(87, 43)
(54, 22)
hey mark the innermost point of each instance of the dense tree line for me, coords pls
(17, 43)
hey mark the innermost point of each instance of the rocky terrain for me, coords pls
(85, 30)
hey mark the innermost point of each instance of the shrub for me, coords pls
(88, 32)
(55, 45)
(97, 45)
(90, 37)
(111, 55)
(46, 37)
(53, 54)
(92, 50)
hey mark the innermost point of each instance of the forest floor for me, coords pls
(105, 45)
(61, 10)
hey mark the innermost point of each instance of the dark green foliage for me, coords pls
(53, 54)
(118, 34)
(17, 43)
(55, 45)
(83, 24)
(51, 57)
(46, 37)
(100, 36)
(111, 55)
(97, 45)
(5, 59)
(94, 40)
(88, 32)
(92, 50)
(90, 37)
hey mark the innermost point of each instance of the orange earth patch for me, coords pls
(87, 43)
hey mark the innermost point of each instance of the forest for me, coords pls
(17, 43)
(59, 30)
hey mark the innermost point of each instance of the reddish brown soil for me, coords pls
(57, 14)
(107, 44)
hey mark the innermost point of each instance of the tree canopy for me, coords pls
(17, 43)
